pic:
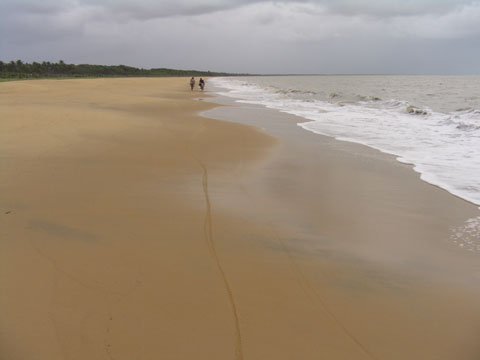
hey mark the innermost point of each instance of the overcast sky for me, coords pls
(289, 36)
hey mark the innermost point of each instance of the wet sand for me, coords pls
(132, 228)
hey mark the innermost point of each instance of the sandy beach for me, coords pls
(134, 228)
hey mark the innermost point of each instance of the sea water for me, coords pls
(431, 122)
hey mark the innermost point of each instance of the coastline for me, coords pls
(439, 142)
(336, 202)
(142, 230)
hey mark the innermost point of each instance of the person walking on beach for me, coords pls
(192, 83)
(201, 83)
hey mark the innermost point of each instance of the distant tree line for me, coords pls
(20, 70)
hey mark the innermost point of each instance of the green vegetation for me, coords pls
(15, 70)
(4, 79)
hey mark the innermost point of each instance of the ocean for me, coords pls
(431, 122)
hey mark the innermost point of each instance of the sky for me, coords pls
(249, 36)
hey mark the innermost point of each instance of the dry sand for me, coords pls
(132, 228)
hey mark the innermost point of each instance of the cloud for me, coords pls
(48, 21)
(311, 22)
(392, 8)
(460, 23)
(245, 36)
(146, 10)
(149, 9)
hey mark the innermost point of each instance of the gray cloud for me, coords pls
(123, 9)
(147, 9)
(322, 36)
(150, 9)
(393, 8)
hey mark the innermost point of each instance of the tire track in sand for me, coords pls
(208, 234)
(308, 289)
(316, 298)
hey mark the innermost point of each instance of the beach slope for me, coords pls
(133, 228)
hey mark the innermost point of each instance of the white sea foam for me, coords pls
(443, 146)
(467, 236)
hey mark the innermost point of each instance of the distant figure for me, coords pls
(201, 83)
(192, 83)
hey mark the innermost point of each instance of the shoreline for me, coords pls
(398, 230)
(427, 146)
(223, 100)
(143, 230)
(231, 102)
